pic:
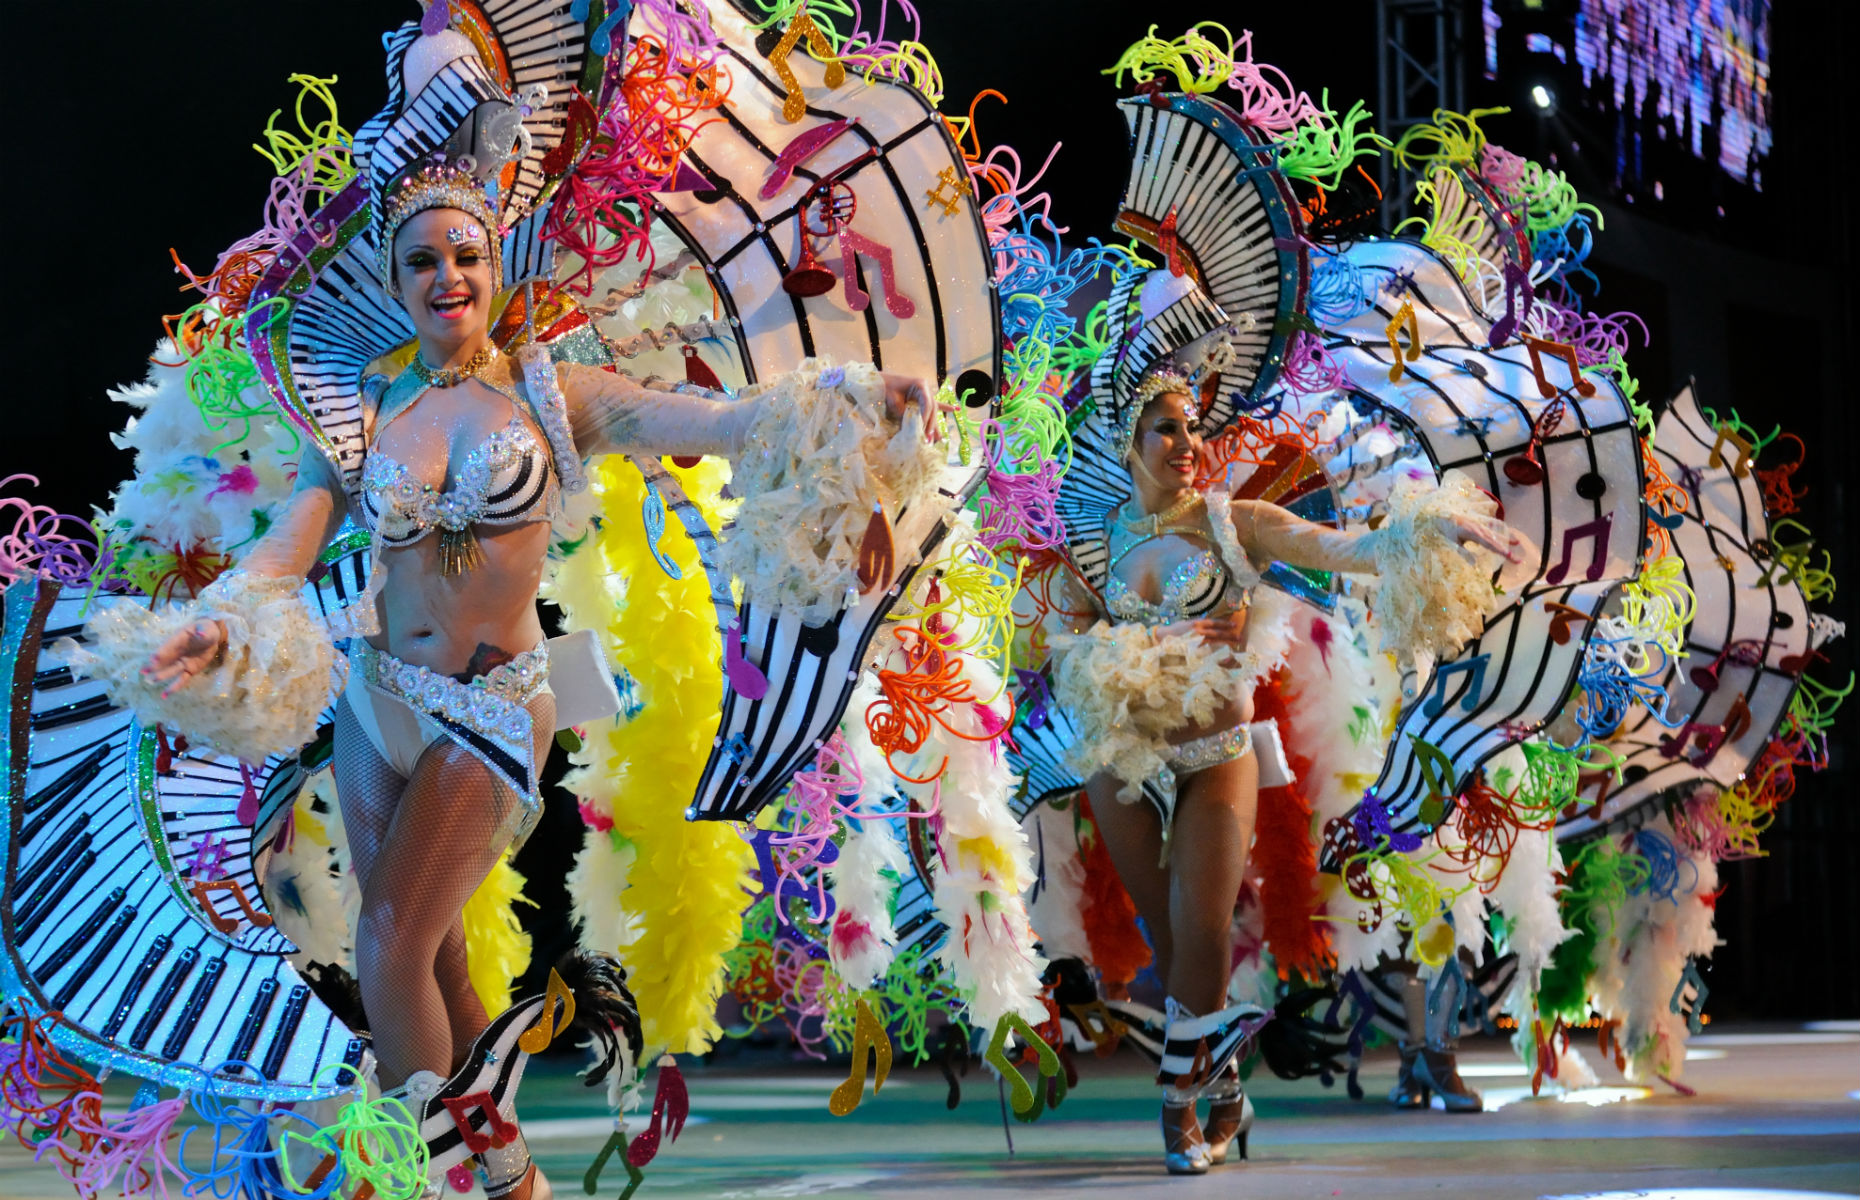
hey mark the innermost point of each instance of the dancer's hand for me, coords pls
(903, 393)
(191, 652)
(1488, 532)
(1228, 631)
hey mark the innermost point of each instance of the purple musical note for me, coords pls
(1600, 532)
(1474, 667)
(1517, 284)
(1033, 688)
(746, 679)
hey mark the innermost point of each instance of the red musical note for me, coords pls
(1602, 781)
(671, 1107)
(877, 556)
(794, 107)
(896, 303)
(1559, 624)
(1538, 347)
(1795, 664)
(203, 889)
(1737, 721)
(1403, 316)
(803, 147)
(1725, 434)
(503, 1131)
(1601, 532)
(1517, 283)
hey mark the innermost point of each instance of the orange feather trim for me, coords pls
(1285, 855)
(1108, 913)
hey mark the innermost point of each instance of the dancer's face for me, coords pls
(442, 259)
(1168, 441)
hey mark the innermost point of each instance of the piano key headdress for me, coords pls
(1174, 339)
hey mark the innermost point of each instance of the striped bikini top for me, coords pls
(507, 479)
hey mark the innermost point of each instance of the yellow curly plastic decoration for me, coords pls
(1455, 225)
(1456, 139)
(289, 152)
(1660, 603)
(1198, 63)
(912, 65)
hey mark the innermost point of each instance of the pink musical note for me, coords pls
(802, 148)
(1475, 668)
(1601, 532)
(1517, 284)
(896, 303)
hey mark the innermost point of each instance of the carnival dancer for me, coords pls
(1160, 684)
(448, 712)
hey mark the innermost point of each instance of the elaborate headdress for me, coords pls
(438, 183)
(1173, 339)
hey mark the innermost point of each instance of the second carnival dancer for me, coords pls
(1158, 666)
(449, 709)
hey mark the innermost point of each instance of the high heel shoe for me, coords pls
(1438, 1071)
(1185, 1151)
(1230, 1118)
(1408, 1092)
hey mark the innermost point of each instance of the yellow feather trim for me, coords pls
(497, 950)
(681, 896)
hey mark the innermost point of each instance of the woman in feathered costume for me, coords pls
(1161, 682)
(449, 709)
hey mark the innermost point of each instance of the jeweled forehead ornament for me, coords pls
(436, 184)
(471, 231)
(1158, 381)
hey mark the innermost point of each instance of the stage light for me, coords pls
(1540, 96)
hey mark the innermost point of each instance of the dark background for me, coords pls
(133, 133)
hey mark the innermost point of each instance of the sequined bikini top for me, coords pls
(509, 478)
(1199, 584)
(506, 479)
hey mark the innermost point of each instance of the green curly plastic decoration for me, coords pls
(1319, 151)
(1198, 63)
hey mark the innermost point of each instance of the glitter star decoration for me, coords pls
(950, 188)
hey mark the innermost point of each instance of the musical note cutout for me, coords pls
(1602, 781)
(1096, 1021)
(896, 303)
(877, 555)
(203, 890)
(671, 1107)
(795, 106)
(1517, 287)
(1020, 1093)
(1743, 447)
(537, 1037)
(1474, 669)
(1538, 347)
(1559, 623)
(1710, 737)
(601, 41)
(1437, 775)
(1600, 532)
(803, 147)
(652, 515)
(1666, 521)
(1737, 720)
(503, 1131)
(746, 678)
(591, 1179)
(1403, 316)
(869, 1037)
(1691, 978)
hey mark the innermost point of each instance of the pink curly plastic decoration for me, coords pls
(1503, 169)
(1309, 368)
(37, 547)
(814, 811)
(132, 1148)
(1019, 506)
(1596, 337)
(1001, 170)
(802, 979)
(1267, 98)
(289, 210)
(863, 51)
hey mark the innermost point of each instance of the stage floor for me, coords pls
(1775, 1110)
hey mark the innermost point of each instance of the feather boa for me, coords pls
(864, 878)
(664, 894)
(264, 699)
(1057, 900)
(1118, 948)
(1430, 598)
(824, 460)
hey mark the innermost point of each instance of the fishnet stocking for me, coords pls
(420, 848)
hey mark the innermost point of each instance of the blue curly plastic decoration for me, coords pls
(1339, 290)
(1571, 244)
(243, 1162)
(1664, 865)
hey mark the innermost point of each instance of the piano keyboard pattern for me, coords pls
(1471, 409)
(1237, 225)
(1715, 538)
(891, 158)
(104, 849)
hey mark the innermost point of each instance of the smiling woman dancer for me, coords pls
(1161, 686)
(448, 711)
